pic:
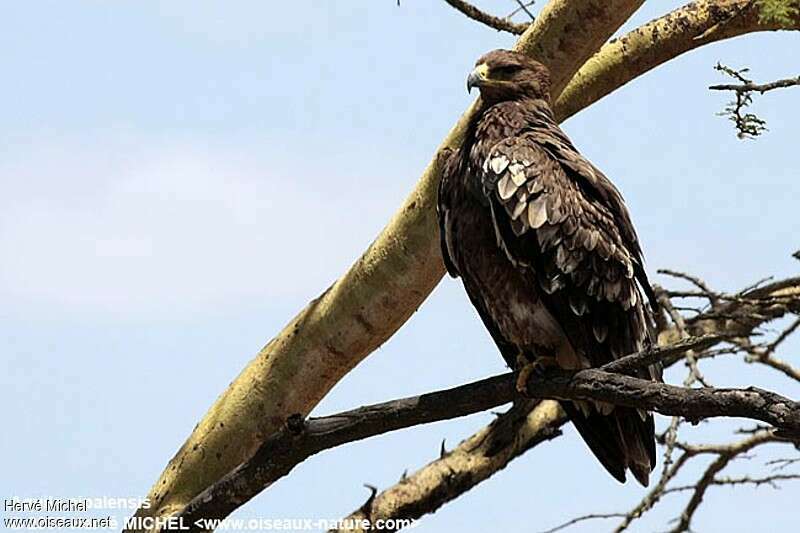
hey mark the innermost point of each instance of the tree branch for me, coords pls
(498, 23)
(299, 440)
(692, 404)
(757, 88)
(726, 454)
(708, 477)
(747, 124)
(659, 41)
(474, 460)
(750, 309)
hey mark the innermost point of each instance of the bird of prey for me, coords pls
(547, 252)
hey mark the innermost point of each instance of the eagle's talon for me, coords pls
(537, 368)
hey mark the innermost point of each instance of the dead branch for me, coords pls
(584, 518)
(301, 439)
(691, 404)
(726, 453)
(523, 7)
(498, 23)
(749, 86)
(707, 479)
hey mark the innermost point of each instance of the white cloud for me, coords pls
(137, 228)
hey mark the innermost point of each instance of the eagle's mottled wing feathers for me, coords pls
(571, 241)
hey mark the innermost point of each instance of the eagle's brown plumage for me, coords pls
(546, 250)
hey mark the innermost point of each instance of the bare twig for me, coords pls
(655, 494)
(780, 464)
(765, 354)
(747, 124)
(523, 6)
(749, 86)
(694, 280)
(498, 23)
(708, 477)
(584, 518)
(772, 481)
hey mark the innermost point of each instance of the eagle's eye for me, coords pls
(505, 72)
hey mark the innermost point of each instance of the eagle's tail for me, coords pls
(622, 439)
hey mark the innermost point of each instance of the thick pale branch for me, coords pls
(657, 42)
(474, 460)
(370, 302)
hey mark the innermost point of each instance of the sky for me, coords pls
(179, 178)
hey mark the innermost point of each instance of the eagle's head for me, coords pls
(505, 75)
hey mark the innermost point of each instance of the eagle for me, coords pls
(547, 252)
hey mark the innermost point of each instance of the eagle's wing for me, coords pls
(450, 163)
(559, 219)
(447, 235)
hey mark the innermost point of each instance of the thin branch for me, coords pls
(584, 518)
(655, 494)
(747, 124)
(639, 51)
(780, 464)
(708, 477)
(523, 6)
(755, 87)
(658, 354)
(694, 280)
(772, 481)
(498, 23)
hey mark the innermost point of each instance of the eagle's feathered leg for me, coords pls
(533, 366)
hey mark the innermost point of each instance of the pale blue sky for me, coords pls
(179, 178)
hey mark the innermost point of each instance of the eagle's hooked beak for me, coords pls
(476, 78)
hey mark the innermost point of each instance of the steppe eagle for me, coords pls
(546, 250)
